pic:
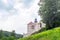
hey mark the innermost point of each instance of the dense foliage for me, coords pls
(53, 34)
(4, 35)
(50, 13)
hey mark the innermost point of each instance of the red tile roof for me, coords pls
(30, 23)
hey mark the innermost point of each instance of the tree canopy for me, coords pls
(49, 12)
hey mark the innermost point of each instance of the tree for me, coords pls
(1, 34)
(4, 38)
(11, 38)
(49, 13)
(13, 33)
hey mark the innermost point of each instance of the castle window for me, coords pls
(32, 26)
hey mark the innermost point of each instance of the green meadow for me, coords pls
(53, 34)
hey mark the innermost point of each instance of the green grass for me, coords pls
(53, 34)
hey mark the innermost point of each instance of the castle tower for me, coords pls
(30, 28)
(37, 25)
(35, 21)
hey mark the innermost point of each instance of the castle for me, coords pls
(33, 27)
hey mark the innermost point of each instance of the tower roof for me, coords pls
(30, 23)
(35, 20)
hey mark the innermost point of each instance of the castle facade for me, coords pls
(33, 27)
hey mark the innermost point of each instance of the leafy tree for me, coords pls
(13, 33)
(4, 38)
(11, 38)
(49, 13)
(8, 38)
(1, 34)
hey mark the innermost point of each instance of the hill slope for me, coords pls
(7, 34)
(53, 34)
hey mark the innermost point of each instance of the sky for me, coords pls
(16, 14)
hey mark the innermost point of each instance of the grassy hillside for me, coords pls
(53, 34)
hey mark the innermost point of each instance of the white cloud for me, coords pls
(5, 1)
(25, 14)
